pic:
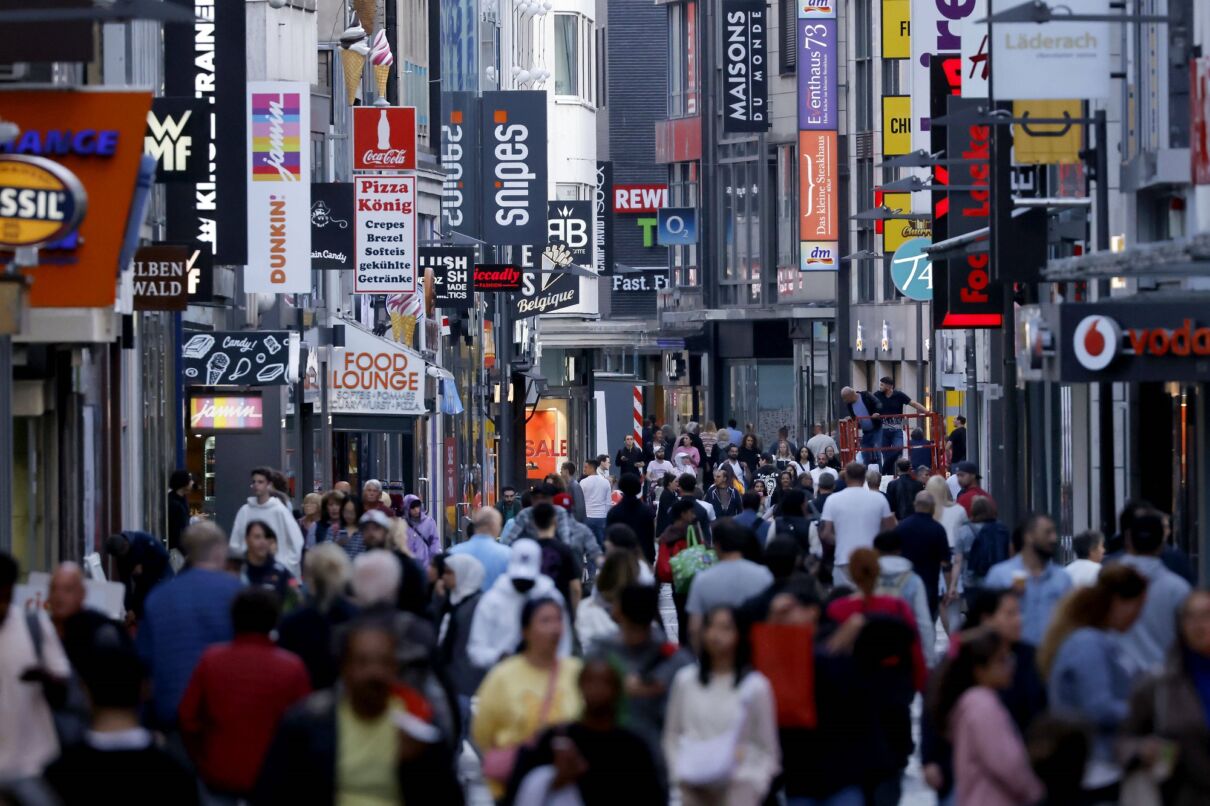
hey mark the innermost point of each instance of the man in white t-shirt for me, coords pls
(851, 518)
(598, 498)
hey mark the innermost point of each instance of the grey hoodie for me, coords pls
(899, 579)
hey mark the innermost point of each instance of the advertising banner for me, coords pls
(97, 138)
(546, 293)
(385, 234)
(514, 167)
(207, 61)
(160, 278)
(1055, 61)
(384, 138)
(745, 52)
(896, 125)
(639, 198)
(460, 207)
(817, 186)
(816, 9)
(676, 226)
(546, 445)
(1199, 128)
(226, 414)
(939, 28)
(817, 78)
(332, 226)
(279, 188)
(237, 358)
(497, 277)
(896, 29)
(602, 219)
(976, 66)
(570, 223)
(1130, 342)
(375, 376)
(178, 136)
(453, 275)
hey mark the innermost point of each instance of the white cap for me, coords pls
(526, 560)
(376, 516)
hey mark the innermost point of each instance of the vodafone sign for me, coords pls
(384, 138)
(1140, 341)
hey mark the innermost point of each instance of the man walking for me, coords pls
(263, 506)
(851, 518)
(925, 544)
(1034, 575)
(955, 443)
(902, 490)
(1147, 642)
(723, 497)
(597, 498)
(484, 545)
(629, 458)
(568, 471)
(890, 403)
(968, 485)
(508, 505)
(179, 485)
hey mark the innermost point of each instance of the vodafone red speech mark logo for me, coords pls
(1096, 341)
(384, 138)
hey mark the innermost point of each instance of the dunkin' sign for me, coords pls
(384, 138)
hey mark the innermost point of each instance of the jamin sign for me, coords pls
(384, 138)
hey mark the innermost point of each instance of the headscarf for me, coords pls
(468, 576)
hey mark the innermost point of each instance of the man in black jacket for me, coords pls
(629, 458)
(687, 486)
(179, 485)
(901, 492)
(634, 513)
(723, 497)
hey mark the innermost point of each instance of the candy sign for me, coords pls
(375, 376)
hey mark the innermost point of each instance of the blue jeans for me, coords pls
(850, 796)
(597, 525)
(892, 437)
(870, 439)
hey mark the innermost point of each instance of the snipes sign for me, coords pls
(1135, 341)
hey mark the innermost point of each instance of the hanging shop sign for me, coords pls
(97, 137)
(639, 198)
(237, 358)
(976, 66)
(40, 201)
(896, 125)
(939, 29)
(226, 414)
(199, 273)
(178, 137)
(546, 292)
(497, 277)
(375, 376)
(570, 223)
(206, 61)
(676, 226)
(912, 271)
(816, 9)
(279, 188)
(1054, 61)
(460, 160)
(1199, 117)
(453, 275)
(745, 55)
(602, 220)
(384, 138)
(818, 231)
(161, 278)
(332, 225)
(1134, 341)
(817, 78)
(896, 29)
(385, 234)
(1044, 143)
(514, 167)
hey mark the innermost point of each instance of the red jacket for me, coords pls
(842, 610)
(967, 497)
(231, 708)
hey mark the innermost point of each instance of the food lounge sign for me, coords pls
(1139, 342)
(374, 376)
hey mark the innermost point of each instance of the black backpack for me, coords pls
(989, 547)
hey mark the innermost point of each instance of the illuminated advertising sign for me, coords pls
(279, 188)
(817, 9)
(225, 414)
(1133, 342)
(896, 29)
(639, 198)
(40, 201)
(817, 186)
(896, 125)
(372, 375)
(817, 82)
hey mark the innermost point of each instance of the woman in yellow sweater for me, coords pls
(526, 693)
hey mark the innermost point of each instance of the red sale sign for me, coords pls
(384, 138)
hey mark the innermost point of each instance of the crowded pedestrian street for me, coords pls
(604, 402)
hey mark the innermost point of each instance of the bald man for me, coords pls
(865, 409)
(484, 544)
(343, 487)
(76, 624)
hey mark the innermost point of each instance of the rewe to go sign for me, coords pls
(639, 198)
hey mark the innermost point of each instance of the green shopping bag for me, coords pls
(689, 561)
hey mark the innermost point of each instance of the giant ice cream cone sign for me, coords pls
(354, 54)
(381, 60)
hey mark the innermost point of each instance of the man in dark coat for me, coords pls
(634, 513)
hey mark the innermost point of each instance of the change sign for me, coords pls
(453, 275)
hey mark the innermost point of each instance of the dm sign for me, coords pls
(40, 201)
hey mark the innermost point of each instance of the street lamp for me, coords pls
(885, 213)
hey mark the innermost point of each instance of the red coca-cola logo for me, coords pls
(396, 157)
(384, 138)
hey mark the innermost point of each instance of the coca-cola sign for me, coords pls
(384, 138)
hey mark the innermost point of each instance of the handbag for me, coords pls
(711, 762)
(689, 561)
(498, 762)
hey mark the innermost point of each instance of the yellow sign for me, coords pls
(896, 29)
(40, 201)
(896, 125)
(1044, 143)
(896, 231)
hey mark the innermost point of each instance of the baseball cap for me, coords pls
(967, 467)
(375, 516)
(526, 560)
(563, 500)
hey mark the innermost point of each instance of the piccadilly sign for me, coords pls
(1152, 341)
(40, 201)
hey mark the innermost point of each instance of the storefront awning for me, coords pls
(1175, 258)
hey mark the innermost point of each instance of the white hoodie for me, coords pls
(496, 626)
(281, 521)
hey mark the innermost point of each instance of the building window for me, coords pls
(571, 191)
(574, 61)
(682, 60)
(787, 18)
(682, 192)
(602, 68)
(787, 206)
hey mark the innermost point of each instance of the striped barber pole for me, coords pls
(638, 416)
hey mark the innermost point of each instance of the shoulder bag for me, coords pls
(498, 762)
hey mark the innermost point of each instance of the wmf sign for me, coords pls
(178, 137)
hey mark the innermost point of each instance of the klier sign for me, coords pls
(1135, 341)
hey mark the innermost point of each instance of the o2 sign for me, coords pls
(676, 226)
(912, 270)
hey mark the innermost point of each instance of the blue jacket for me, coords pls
(182, 618)
(1088, 681)
(756, 523)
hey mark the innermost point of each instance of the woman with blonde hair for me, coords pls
(594, 616)
(945, 511)
(1081, 659)
(312, 507)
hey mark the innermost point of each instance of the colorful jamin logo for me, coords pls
(276, 137)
